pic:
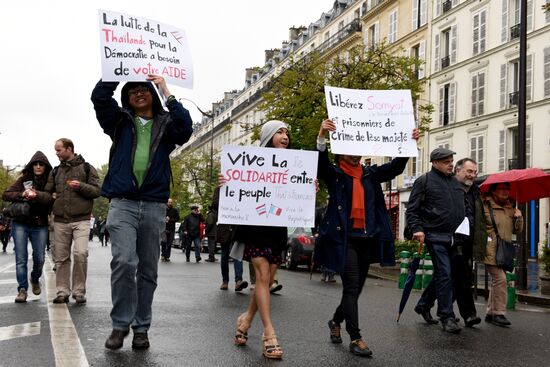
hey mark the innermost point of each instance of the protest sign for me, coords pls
(268, 187)
(133, 47)
(371, 122)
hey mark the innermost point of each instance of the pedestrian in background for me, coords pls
(355, 231)
(101, 230)
(192, 231)
(5, 230)
(503, 220)
(327, 275)
(74, 185)
(167, 238)
(263, 249)
(92, 227)
(210, 233)
(138, 186)
(436, 208)
(29, 187)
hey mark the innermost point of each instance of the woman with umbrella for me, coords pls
(355, 230)
(499, 210)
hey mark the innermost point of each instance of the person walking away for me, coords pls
(143, 135)
(192, 231)
(508, 220)
(5, 228)
(92, 227)
(436, 208)
(224, 235)
(172, 216)
(101, 228)
(74, 185)
(355, 231)
(210, 233)
(29, 187)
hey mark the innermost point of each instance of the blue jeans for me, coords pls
(238, 265)
(442, 282)
(135, 228)
(197, 242)
(39, 236)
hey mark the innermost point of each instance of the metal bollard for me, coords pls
(419, 272)
(405, 258)
(511, 280)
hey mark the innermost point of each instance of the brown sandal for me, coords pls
(241, 335)
(272, 350)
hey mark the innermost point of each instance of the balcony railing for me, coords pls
(514, 31)
(447, 5)
(445, 62)
(343, 34)
(514, 99)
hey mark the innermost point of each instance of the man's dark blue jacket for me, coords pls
(169, 128)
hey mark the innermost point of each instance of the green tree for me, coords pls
(101, 204)
(297, 96)
(7, 178)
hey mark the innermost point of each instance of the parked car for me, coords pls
(177, 239)
(299, 248)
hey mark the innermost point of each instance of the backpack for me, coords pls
(407, 231)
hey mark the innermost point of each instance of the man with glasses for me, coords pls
(74, 185)
(143, 135)
(435, 210)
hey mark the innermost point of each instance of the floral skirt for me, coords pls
(273, 256)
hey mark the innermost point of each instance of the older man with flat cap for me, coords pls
(436, 208)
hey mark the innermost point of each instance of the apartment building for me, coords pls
(471, 54)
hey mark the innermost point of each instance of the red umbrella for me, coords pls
(525, 184)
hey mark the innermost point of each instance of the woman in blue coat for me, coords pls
(355, 231)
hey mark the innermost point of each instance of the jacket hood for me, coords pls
(38, 157)
(125, 98)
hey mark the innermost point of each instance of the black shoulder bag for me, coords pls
(506, 250)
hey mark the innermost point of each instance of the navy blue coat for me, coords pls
(169, 128)
(330, 248)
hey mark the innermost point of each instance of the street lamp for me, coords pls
(211, 117)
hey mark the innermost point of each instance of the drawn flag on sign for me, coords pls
(275, 210)
(261, 209)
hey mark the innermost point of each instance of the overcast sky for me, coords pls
(51, 61)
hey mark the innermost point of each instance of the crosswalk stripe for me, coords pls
(6, 267)
(19, 331)
(62, 328)
(8, 281)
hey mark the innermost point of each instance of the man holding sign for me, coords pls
(355, 231)
(138, 186)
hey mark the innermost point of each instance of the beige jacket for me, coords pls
(506, 225)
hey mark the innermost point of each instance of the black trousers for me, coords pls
(166, 246)
(358, 257)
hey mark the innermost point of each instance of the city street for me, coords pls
(194, 324)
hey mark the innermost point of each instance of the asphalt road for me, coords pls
(193, 325)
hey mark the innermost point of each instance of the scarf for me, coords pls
(357, 194)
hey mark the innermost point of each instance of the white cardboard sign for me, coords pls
(371, 122)
(133, 47)
(268, 186)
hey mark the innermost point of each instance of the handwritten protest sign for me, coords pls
(133, 47)
(268, 187)
(371, 122)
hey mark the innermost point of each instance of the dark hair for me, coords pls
(67, 143)
(270, 142)
(460, 164)
(494, 186)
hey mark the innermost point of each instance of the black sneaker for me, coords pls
(198, 259)
(426, 315)
(275, 287)
(360, 348)
(471, 321)
(116, 339)
(451, 326)
(240, 285)
(335, 332)
(140, 341)
(499, 320)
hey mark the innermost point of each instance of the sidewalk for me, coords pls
(530, 296)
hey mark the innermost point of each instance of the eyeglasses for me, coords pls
(138, 90)
(41, 164)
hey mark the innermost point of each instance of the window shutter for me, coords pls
(501, 150)
(482, 30)
(419, 160)
(441, 104)
(367, 39)
(547, 13)
(480, 94)
(529, 77)
(528, 156)
(547, 71)
(415, 12)
(504, 30)
(376, 33)
(480, 153)
(438, 7)
(503, 80)
(474, 96)
(452, 102)
(454, 41)
(422, 57)
(529, 15)
(436, 50)
(423, 12)
(475, 33)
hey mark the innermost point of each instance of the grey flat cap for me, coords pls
(440, 153)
